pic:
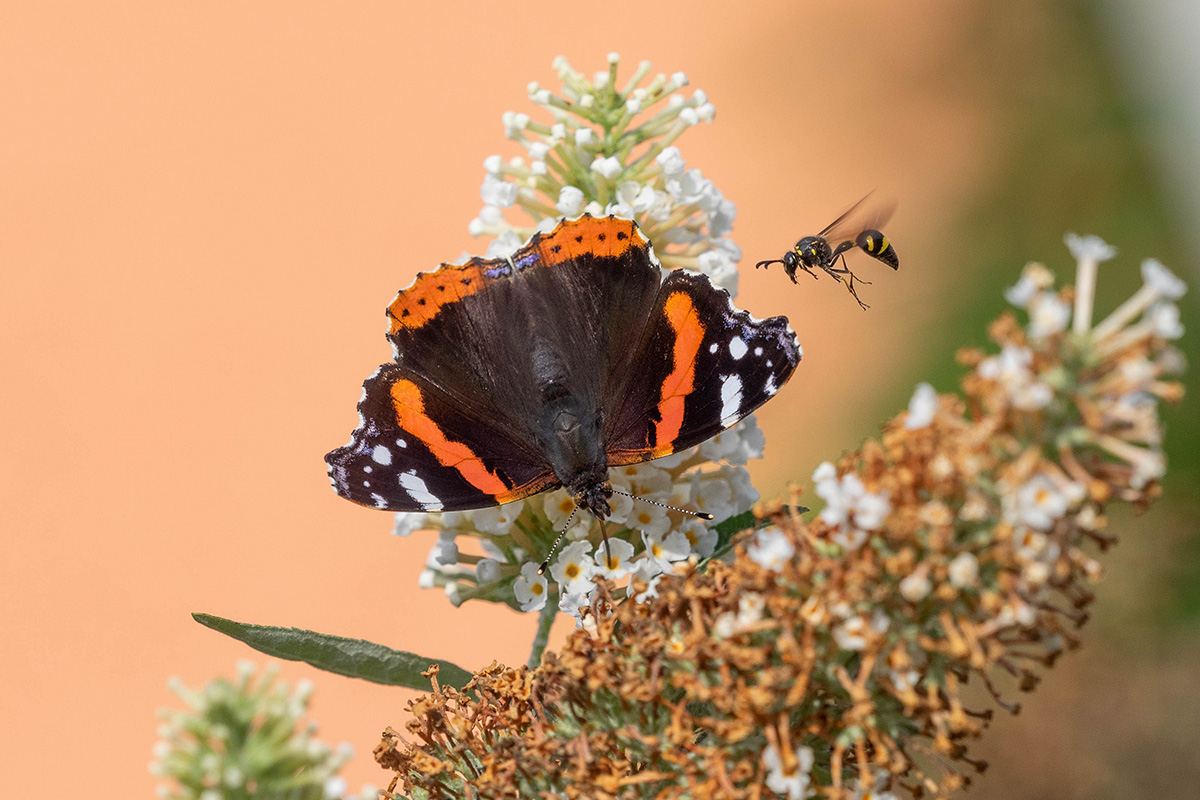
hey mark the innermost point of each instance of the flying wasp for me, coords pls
(858, 227)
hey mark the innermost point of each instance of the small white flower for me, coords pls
(964, 569)
(916, 586)
(487, 570)
(1038, 503)
(665, 550)
(619, 565)
(922, 408)
(573, 603)
(514, 124)
(492, 164)
(1034, 279)
(1164, 318)
(1011, 369)
(608, 167)
(584, 136)
(671, 161)
(771, 549)
(644, 479)
(498, 192)
(712, 493)
(1048, 315)
(791, 779)
(620, 505)
(558, 507)
(504, 245)
(849, 507)
(648, 518)
(573, 568)
(737, 445)
(444, 550)
(702, 538)
(408, 522)
(1089, 248)
(1160, 279)
(651, 589)
(530, 588)
(497, 520)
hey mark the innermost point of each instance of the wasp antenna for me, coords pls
(688, 511)
(546, 564)
(770, 261)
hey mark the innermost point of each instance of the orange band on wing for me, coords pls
(421, 302)
(410, 413)
(598, 236)
(689, 333)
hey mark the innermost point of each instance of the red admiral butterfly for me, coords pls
(517, 375)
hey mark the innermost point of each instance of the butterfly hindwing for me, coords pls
(416, 450)
(701, 367)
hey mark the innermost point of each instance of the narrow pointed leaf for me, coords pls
(355, 658)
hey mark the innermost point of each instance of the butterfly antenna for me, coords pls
(546, 564)
(688, 511)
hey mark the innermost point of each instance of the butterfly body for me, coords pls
(575, 354)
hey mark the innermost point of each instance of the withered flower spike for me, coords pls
(946, 550)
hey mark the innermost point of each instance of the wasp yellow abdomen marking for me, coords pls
(870, 244)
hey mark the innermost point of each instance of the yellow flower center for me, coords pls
(572, 571)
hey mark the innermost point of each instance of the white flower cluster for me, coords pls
(1127, 393)
(609, 150)
(645, 537)
(849, 507)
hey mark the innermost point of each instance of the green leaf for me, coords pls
(734, 525)
(725, 531)
(355, 658)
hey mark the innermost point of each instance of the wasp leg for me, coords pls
(838, 273)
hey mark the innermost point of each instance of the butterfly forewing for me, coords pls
(701, 367)
(419, 450)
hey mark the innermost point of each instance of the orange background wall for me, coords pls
(204, 208)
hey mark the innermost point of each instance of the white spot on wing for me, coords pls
(380, 500)
(381, 455)
(401, 443)
(758, 351)
(737, 348)
(713, 347)
(367, 468)
(731, 398)
(416, 488)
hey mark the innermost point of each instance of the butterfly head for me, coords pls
(594, 497)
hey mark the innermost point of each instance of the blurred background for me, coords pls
(204, 209)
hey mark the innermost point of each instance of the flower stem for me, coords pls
(545, 621)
